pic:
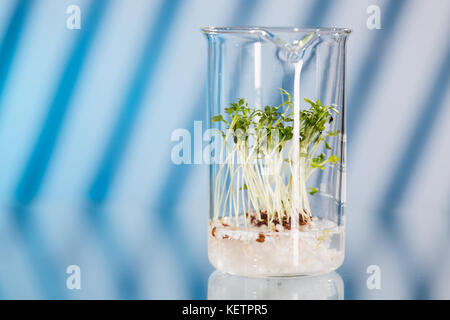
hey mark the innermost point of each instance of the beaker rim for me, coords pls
(250, 30)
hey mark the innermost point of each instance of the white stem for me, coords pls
(296, 205)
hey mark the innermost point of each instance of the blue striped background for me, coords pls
(86, 118)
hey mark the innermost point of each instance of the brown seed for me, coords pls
(261, 238)
(213, 232)
(225, 237)
(263, 215)
(303, 220)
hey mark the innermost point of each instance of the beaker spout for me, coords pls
(292, 51)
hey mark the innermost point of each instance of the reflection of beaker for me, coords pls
(223, 286)
(276, 103)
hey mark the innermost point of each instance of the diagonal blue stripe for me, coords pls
(318, 13)
(37, 164)
(371, 66)
(143, 79)
(11, 39)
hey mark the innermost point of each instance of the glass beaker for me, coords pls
(276, 104)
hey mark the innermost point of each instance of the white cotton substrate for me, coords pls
(258, 251)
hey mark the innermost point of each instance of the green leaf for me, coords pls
(333, 159)
(310, 102)
(332, 133)
(217, 118)
(316, 165)
(319, 158)
(313, 191)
